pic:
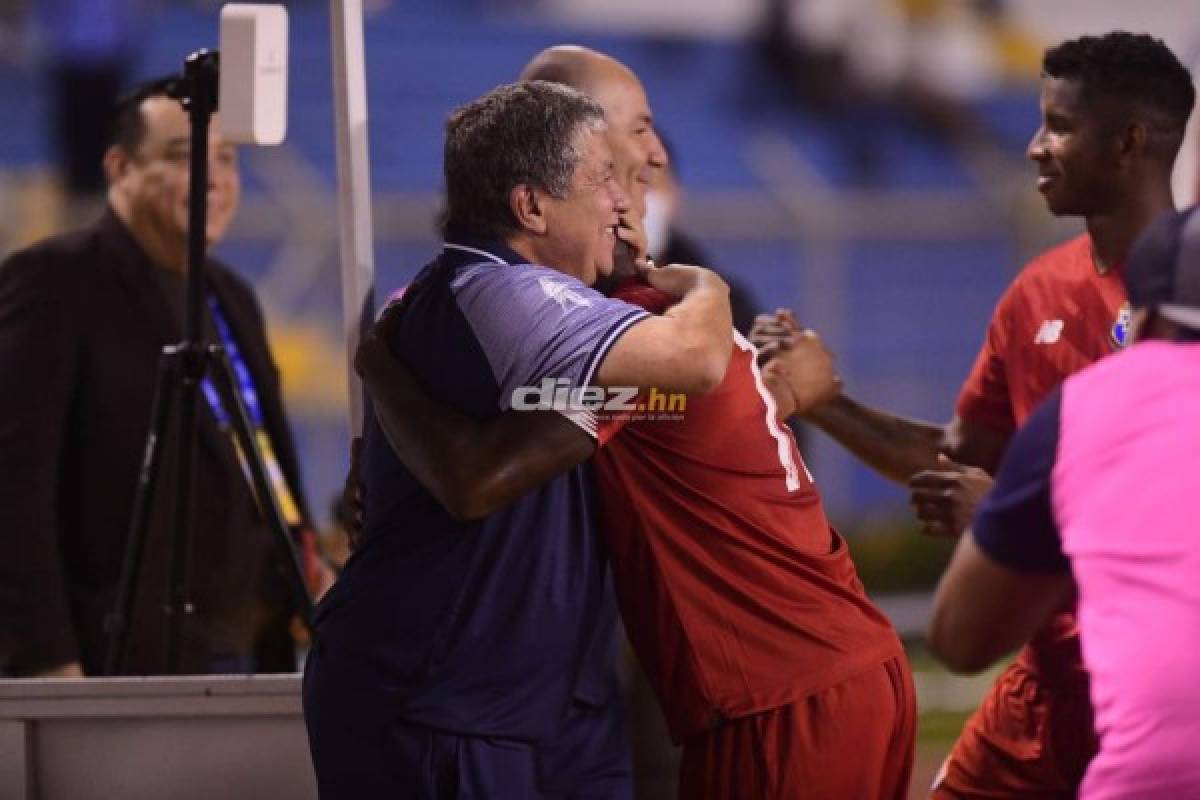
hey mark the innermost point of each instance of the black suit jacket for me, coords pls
(82, 323)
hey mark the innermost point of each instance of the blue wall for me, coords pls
(912, 314)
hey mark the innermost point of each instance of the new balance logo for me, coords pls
(1050, 332)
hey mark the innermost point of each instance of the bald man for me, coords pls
(846, 676)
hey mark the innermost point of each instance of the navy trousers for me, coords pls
(360, 750)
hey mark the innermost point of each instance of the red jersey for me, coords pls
(736, 593)
(1059, 315)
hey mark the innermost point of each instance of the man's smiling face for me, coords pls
(581, 226)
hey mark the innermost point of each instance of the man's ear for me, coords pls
(1135, 139)
(529, 208)
(115, 162)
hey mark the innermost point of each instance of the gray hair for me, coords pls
(527, 133)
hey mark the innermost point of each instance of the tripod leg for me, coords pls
(192, 365)
(116, 625)
(223, 379)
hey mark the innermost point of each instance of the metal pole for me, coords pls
(354, 187)
(200, 76)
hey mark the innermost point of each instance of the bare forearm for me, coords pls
(687, 347)
(426, 436)
(473, 467)
(705, 328)
(894, 446)
(983, 609)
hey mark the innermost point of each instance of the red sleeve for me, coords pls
(985, 399)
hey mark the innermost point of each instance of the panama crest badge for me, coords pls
(1120, 328)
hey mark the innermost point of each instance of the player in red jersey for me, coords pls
(741, 601)
(1114, 109)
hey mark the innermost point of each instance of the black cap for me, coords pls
(1163, 272)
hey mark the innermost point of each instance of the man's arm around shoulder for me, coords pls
(473, 467)
(687, 348)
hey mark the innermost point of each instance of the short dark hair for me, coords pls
(1131, 68)
(128, 126)
(519, 133)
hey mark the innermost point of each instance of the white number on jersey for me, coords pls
(783, 442)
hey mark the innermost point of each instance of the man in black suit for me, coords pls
(83, 318)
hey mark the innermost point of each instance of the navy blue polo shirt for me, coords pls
(482, 627)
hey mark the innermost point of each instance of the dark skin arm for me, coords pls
(945, 499)
(893, 446)
(984, 610)
(948, 467)
(473, 467)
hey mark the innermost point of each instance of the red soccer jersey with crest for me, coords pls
(1059, 315)
(736, 593)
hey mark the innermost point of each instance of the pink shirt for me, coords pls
(1126, 497)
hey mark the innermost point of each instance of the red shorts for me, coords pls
(1024, 741)
(851, 742)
